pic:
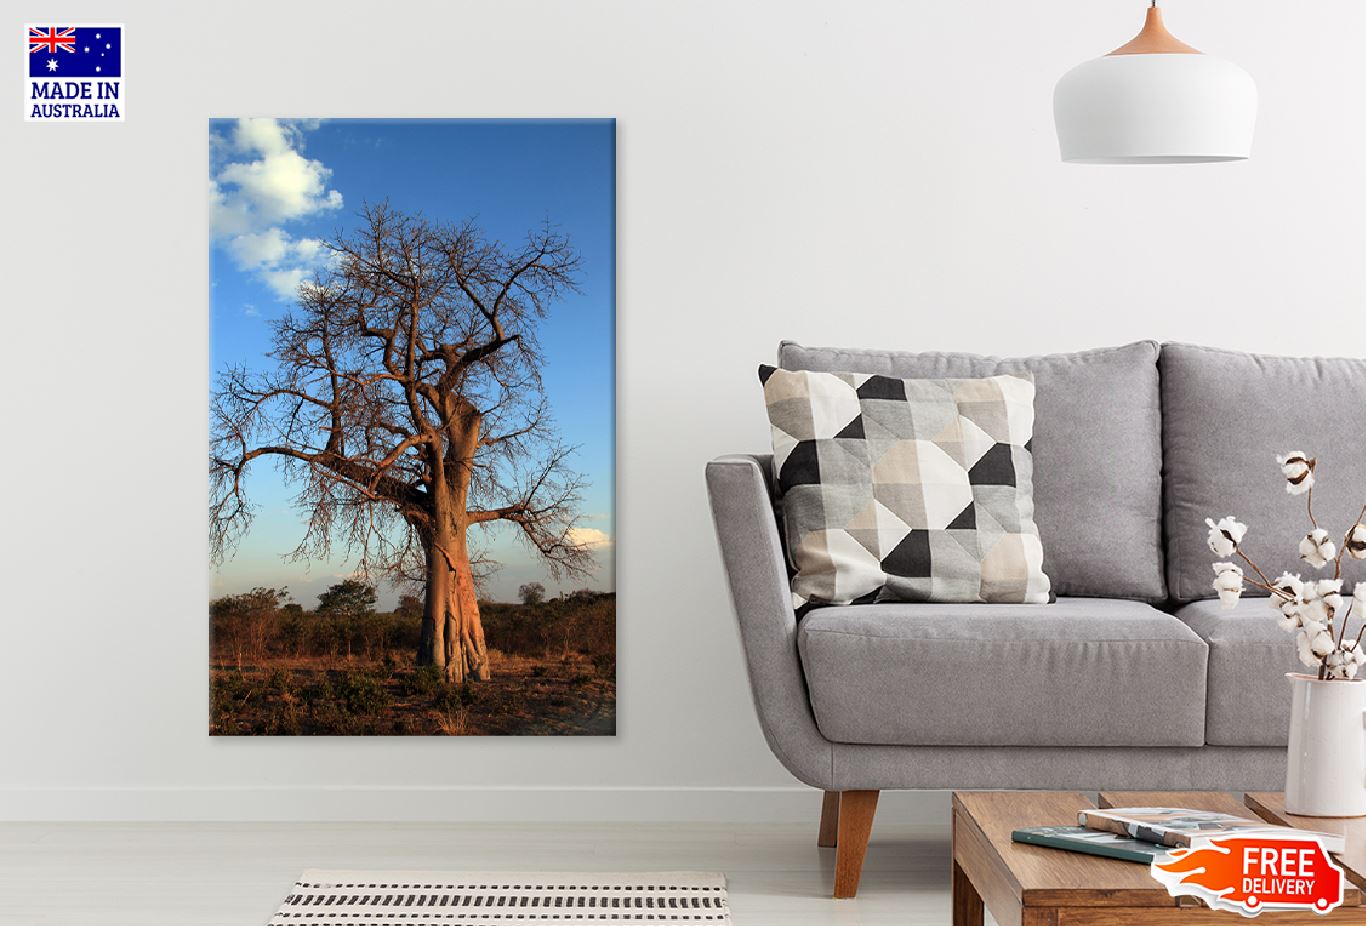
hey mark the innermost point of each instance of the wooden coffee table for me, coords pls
(1026, 885)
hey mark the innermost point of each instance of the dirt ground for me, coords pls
(320, 696)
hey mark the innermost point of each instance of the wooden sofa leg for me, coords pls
(856, 809)
(830, 820)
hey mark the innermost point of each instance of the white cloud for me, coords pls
(279, 261)
(589, 537)
(263, 181)
(283, 282)
(309, 249)
(258, 249)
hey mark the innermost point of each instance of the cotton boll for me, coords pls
(1292, 585)
(1225, 536)
(1337, 663)
(1312, 610)
(1228, 582)
(1290, 610)
(1289, 622)
(1317, 548)
(1288, 601)
(1322, 643)
(1305, 651)
(1330, 593)
(1350, 668)
(1355, 544)
(1345, 662)
(1359, 593)
(1298, 470)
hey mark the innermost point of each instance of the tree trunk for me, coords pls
(452, 634)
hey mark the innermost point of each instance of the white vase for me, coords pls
(1326, 772)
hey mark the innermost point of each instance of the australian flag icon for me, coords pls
(75, 51)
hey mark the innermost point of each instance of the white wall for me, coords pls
(877, 174)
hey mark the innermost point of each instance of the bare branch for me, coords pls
(406, 380)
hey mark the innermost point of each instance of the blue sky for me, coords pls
(279, 188)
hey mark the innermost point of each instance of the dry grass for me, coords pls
(454, 721)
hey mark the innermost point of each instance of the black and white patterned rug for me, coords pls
(473, 898)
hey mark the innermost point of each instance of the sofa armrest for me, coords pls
(742, 510)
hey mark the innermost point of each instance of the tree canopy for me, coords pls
(405, 406)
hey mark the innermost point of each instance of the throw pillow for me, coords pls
(1097, 430)
(906, 490)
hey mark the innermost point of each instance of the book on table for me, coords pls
(1175, 827)
(1090, 842)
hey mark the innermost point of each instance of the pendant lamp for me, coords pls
(1155, 100)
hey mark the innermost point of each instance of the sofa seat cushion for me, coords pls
(1097, 447)
(1249, 655)
(1081, 672)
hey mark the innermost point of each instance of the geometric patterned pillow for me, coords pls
(906, 490)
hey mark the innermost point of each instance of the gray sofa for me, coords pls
(1134, 678)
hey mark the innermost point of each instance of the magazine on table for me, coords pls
(1175, 827)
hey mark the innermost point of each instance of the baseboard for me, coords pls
(454, 804)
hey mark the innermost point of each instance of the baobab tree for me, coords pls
(406, 406)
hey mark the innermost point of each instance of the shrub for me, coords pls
(328, 718)
(284, 722)
(320, 692)
(223, 699)
(452, 697)
(583, 623)
(244, 624)
(605, 664)
(424, 680)
(362, 693)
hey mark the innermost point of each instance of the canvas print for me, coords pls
(411, 421)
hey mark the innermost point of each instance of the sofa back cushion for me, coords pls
(1096, 454)
(1226, 415)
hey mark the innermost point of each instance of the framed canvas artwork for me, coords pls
(412, 427)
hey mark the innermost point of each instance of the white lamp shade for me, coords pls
(1155, 109)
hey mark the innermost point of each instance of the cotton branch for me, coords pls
(1312, 608)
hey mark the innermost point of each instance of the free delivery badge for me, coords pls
(1248, 874)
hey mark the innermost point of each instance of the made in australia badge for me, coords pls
(75, 74)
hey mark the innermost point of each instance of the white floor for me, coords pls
(187, 874)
